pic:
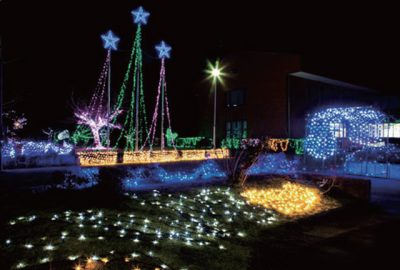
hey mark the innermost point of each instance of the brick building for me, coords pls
(267, 94)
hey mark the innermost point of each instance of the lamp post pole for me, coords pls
(215, 115)
(215, 74)
(1, 106)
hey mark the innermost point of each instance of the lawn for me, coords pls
(196, 228)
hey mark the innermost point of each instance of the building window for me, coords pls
(387, 130)
(384, 130)
(236, 129)
(235, 98)
(338, 130)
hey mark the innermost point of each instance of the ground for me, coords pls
(357, 234)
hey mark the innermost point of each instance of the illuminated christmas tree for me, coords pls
(134, 128)
(163, 52)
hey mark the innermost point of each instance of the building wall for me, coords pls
(276, 103)
(263, 77)
(305, 96)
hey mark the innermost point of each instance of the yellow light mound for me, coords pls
(291, 199)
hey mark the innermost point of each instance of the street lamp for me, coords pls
(216, 74)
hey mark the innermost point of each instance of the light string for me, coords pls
(162, 83)
(97, 100)
(128, 131)
(168, 116)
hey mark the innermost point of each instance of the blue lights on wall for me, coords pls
(31, 149)
(110, 41)
(143, 176)
(80, 178)
(354, 126)
(9, 151)
(40, 153)
(140, 16)
(274, 164)
(163, 50)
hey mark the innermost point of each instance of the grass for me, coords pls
(202, 228)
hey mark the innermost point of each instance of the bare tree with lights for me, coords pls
(96, 121)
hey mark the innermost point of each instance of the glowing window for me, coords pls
(236, 129)
(387, 130)
(338, 130)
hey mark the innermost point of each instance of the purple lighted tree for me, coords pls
(96, 120)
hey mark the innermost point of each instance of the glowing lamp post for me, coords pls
(215, 74)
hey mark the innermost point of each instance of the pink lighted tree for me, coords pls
(96, 120)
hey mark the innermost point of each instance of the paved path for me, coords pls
(386, 193)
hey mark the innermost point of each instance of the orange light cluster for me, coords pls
(290, 199)
(275, 144)
(107, 158)
(97, 158)
(92, 264)
(145, 157)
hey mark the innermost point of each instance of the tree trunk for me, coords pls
(96, 137)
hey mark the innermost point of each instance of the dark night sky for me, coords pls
(52, 48)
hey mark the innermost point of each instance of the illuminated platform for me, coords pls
(110, 157)
(97, 157)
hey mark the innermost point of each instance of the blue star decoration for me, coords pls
(110, 41)
(163, 50)
(140, 16)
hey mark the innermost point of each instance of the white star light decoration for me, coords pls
(140, 16)
(110, 41)
(163, 50)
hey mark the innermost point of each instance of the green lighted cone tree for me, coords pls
(134, 128)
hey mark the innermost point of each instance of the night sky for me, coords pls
(53, 51)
